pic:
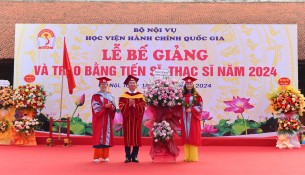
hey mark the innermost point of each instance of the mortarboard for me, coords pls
(103, 79)
(130, 78)
(189, 79)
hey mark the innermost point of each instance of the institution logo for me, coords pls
(46, 39)
(29, 78)
(284, 81)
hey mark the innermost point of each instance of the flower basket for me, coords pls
(163, 147)
(163, 93)
(6, 97)
(288, 103)
(30, 97)
(24, 131)
(162, 132)
(288, 125)
(285, 100)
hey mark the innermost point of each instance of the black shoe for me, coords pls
(135, 160)
(127, 160)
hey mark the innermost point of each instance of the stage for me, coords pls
(214, 160)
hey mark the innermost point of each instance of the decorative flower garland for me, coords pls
(193, 102)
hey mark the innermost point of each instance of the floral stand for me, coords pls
(288, 141)
(6, 137)
(164, 150)
(22, 140)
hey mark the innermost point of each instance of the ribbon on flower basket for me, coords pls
(283, 142)
(163, 149)
(160, 113)
(25, 140)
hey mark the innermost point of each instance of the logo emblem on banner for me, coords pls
(46, 39)
(284, 81)
(29, 78)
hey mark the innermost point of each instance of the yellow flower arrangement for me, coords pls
(286, 99)
(6, 97)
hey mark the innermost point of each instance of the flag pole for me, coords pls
(66, 70)
(60, 113)
(61, 89)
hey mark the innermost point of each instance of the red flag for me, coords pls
(67, 66)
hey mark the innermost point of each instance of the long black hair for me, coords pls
(186, 91)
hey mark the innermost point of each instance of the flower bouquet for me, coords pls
(288, 133)
(24, 128)
(288, 125)
(30, 96)
(286, 99)
(164, 97)
(288, 103)
(162, 131)
(163, 146)
(6, 94)
(163, 92)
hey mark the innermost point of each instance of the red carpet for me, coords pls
(77, 160)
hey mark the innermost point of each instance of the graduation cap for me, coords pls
(189, 79)
(103, 79)
(130, 78)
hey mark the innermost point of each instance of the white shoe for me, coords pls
(106, 160)
(96, 160)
